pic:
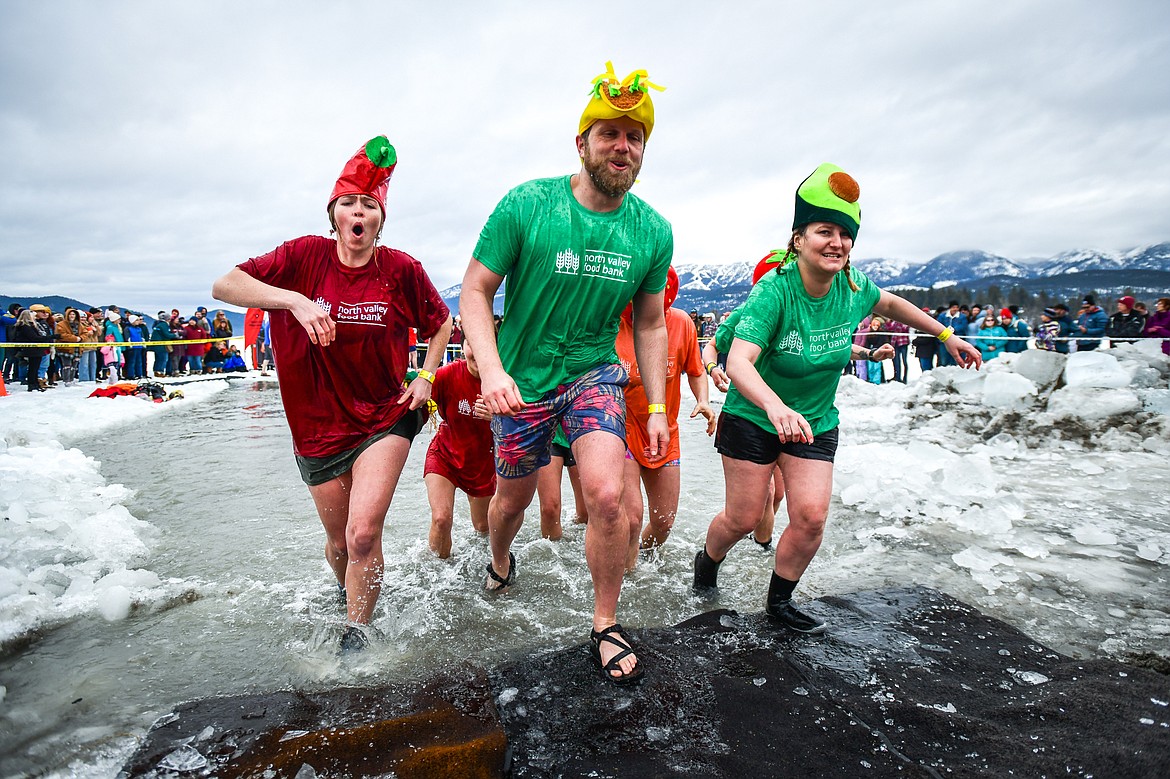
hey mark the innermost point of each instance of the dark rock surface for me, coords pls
(908, 682)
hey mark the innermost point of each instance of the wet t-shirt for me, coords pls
(805, 343)
(682, 356)
(569, 273)
(463, 441)
(336, 396)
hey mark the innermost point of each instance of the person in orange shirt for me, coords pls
(661, 475)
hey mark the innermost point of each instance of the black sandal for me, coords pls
(597, 636)
(504, 582)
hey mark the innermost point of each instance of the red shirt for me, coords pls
(463, 442)
(338, 395)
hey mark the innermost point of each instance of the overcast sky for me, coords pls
(146, 147)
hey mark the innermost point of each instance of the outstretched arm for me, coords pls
(902, 310)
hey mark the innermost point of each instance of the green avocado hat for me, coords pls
(829, 194)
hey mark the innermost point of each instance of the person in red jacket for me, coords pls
(461, 455)
(195, 350)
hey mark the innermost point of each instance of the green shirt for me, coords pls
(726, 331)
(805, 343)
(569, 273)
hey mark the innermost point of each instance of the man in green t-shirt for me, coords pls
(574, 250)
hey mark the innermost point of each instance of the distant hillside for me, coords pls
(1144, 271)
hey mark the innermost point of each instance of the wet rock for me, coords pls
(908, 682)
(448, 728)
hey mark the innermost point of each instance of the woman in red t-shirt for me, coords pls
(339, 312)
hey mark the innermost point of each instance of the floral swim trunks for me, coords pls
(595, 401)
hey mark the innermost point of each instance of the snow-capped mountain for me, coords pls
(1146, 269)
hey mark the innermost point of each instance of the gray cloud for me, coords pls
(148, 147)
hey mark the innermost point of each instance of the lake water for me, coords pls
(1067, 544)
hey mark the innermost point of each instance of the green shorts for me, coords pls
(318, 470)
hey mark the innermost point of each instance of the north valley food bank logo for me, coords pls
(464, 407)
(568, 261)
(792, 343)
(325, 305)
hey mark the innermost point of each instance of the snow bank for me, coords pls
(70, 546)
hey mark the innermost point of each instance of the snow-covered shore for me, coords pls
(70, 546)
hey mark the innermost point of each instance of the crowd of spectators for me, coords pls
(75, 345)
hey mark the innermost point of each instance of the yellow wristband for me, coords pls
(711, 367)
(945, 334)
(656, 408)
(427, 375)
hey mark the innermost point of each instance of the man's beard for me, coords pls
(611, 183)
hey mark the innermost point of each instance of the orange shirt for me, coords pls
(682, 355)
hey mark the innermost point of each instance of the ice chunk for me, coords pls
(507, 696)
(977, 558)
(1042, 367)
(1150, 552)
(1090, 535)
(114, 603)
(1007, 390)
(1095, 369)
(184, 759)
(1030, 677)
(1092, 404)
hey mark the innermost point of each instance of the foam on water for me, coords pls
(1051, 519)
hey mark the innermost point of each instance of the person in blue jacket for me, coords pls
(1091, 322)
(991, 339)
(955, 318)
(1016, 329)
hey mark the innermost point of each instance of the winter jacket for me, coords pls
(1017, 329)
(192, 331)
(32, 334)
(1125, 326)
(1158, 326)
(137, 334)
(1066, 331)
(991, 342)
(8, 327)
(161, 331)
(958, 321)
(1095, 320)
(925, 346)
(68, 334)
(222, 328)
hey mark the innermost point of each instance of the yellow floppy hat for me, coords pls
(612, 98)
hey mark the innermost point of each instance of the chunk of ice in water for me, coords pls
(1150, 552)
(184, 759)
(114, 604)
(1093, 536)
(507, 696)
(306, 771)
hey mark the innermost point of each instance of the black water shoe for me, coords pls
(706, 571)
(789, 616)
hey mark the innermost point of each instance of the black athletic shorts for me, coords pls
(564, 452)
(318, 470)
(740, 439)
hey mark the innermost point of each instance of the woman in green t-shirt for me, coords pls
(791, 343)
